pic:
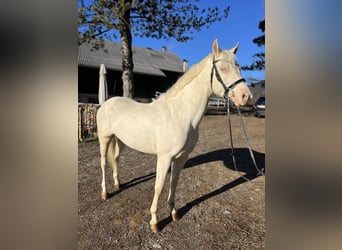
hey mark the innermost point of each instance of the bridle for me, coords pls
(219, 79)
(226, 96)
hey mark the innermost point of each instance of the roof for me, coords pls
(146, 61)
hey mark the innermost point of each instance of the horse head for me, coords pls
(226, 79)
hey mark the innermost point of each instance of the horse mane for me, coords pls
(185, 79)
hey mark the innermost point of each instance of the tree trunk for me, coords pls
(126, 54)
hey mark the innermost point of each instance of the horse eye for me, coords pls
(224, 69)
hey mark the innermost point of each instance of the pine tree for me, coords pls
(259, 62)
(163, 19)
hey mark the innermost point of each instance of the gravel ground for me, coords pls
(218, 209)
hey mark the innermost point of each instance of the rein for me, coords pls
(226, 96)
(259, 172)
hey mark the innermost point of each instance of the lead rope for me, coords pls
(259, 172)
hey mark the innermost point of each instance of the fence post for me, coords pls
(80, 114)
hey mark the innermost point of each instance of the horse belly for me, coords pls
(145, 127)
(137, 137)
(135, 124)
(153, 135)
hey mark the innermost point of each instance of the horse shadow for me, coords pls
(132, 183)
(242, 156)
(244, 164)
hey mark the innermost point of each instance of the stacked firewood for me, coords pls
(87, 120)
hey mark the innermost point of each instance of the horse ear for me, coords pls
(234, 50)
(216, 49)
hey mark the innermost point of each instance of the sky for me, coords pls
(241, 26)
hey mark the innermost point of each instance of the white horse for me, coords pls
(168, 127)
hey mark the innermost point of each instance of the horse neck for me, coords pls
(192, 100)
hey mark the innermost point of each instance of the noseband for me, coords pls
(219, 79)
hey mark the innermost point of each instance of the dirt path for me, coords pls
(218, 208)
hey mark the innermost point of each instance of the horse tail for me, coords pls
(111, 149)
(114, 148)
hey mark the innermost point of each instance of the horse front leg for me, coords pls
(163, 164)
(177, 166)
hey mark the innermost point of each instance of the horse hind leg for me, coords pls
(104, 143)
(114, 150)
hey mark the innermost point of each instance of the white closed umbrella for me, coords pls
(103, 92)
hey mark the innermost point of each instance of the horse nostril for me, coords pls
(245, 97)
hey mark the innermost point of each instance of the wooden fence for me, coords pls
(87, 120)
(217, 102)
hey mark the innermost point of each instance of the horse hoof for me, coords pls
(174, 216)
(104, 196)
(154, 228)
(117, 187)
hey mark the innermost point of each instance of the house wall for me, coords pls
(145, 86)
(257, 89)
(88, 81)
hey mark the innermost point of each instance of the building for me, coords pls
(153, 71)
(258, 89)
